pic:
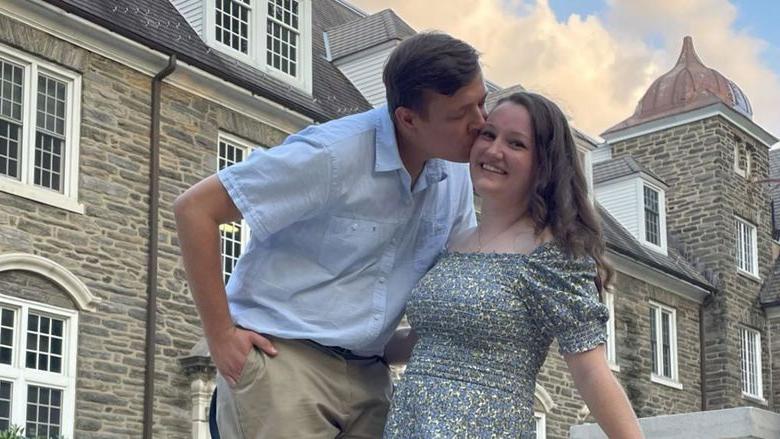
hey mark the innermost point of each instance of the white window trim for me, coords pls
(609, 299)
(541, 425)
(672, 381)
(257, 42)
(661, 216)
(754, 249)
(22, 377)
(759, 376)
(68, 199)
(248, 147)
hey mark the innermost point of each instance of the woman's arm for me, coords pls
(603, 393)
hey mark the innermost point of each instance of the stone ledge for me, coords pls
(736, 423)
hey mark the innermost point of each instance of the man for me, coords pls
(345, 219)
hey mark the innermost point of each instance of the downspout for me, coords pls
(154, 208)
(703, 357)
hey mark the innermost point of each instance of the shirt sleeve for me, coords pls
(276, 187)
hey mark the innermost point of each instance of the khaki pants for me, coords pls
(305, 392)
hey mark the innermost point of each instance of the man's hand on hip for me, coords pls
(230, 350)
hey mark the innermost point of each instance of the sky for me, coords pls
(596, 58)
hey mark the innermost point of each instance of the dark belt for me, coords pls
(342, 352)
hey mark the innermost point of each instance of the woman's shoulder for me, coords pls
(463, 241)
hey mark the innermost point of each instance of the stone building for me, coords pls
(91, 160)
(109, 110)
(706, 163)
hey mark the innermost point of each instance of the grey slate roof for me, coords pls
(367, 32)
(622, 241)
(159, 25)
(618, 167)
(495, 95)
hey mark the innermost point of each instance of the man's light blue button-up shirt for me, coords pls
(339, 238)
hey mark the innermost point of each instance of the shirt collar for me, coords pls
(387, 157)
(435, 170)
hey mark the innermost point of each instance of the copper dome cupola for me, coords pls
(688, 86)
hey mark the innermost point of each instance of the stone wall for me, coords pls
(107, 246)
(632, 328)
(696, 160)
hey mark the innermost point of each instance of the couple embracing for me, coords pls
(362, 219)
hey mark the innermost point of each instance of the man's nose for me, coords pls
(479, 120)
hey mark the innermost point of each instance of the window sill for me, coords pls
(666, 382)
(40, 195)
(755, 399)
(748, 275)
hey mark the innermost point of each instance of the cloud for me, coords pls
(598, 67)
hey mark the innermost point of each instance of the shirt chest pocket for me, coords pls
(431, 240)
(354, 245)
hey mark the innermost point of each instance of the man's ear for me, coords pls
(406, 118)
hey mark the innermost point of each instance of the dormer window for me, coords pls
(742, 162)
(652, 216)
(232, 24)
(635, 197)
(272, 35)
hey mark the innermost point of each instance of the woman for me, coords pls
(532, 271)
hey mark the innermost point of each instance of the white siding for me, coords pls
(601, 154)
(192, 11)
(364, 70)
(620, 200)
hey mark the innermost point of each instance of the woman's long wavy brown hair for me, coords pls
(560, 195)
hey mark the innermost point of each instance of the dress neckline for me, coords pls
(538, 249)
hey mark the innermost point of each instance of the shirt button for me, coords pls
(354, 227)
(382, 280)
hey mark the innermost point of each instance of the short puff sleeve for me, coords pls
(566, 300)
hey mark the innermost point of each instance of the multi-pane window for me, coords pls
(11, 122)
(44, 412)
(235, 234)
(5, 404)
(751, 363)
(663, 340)
(652, 216)
(283, 35)
(38, 130)
(274, 35)
(37, 371)
(609, 299)
(6, 335)
(747, 250)
(231, 26)
(50, 133)
(44, 343)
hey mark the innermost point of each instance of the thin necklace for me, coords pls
(482, 246)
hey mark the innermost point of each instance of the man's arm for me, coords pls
(603, 394)
(199, 211)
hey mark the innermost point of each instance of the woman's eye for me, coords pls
(517, 145)
(486, 134)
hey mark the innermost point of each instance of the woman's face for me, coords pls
(503, 157)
